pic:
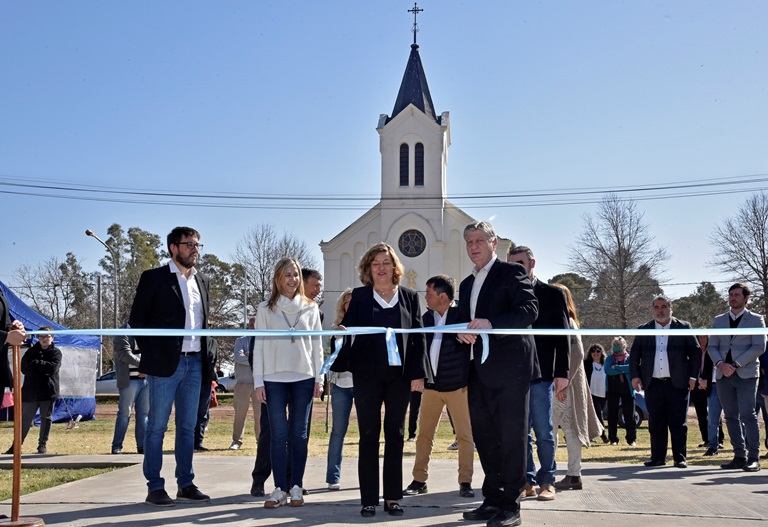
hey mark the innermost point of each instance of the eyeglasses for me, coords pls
(41, 337)
(192, 245)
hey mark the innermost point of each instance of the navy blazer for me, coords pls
(554, 351)
(506, 299)
(361, 356)
(159, 304)
(683, 353)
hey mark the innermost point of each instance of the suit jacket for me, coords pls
(159, 304)
(124, 348)
(453, 361)
(745, 349)
(362, 356)
(6, 378)
(683, 353)
(553, 351)
(507, 300)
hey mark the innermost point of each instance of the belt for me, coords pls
(188, 353)
(662, 378)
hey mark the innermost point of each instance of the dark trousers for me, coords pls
(699, 400)
(627, 403)
(394, 392)
(263, 466)
(413, 413)
(203, 414)
(667, 412)
(499, 419)
(599, 404)
(28, 412)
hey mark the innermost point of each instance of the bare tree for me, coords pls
(258, 252)
(615, 252)
(741, 244)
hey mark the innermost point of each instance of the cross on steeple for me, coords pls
(416, 10)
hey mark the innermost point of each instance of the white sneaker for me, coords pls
(234, 446)
(277, 498)
(297, 496)
(454, 445)
(334, 486)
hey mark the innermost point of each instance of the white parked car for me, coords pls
(226, 383)
(107, 384)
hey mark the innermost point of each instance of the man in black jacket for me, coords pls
(445, 386)
(174, 296)
(553, 353)
(666, 366)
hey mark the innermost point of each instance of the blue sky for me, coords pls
(256, 97)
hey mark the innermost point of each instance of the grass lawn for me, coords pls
(95, 437)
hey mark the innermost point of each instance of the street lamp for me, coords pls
(90, 233)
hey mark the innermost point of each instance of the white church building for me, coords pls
(413, 214)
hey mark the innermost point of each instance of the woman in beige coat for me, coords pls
(572, 409)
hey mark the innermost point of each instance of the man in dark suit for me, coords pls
(174, 296)
(666, 366)
(11, 334)
(553, 353)
(445, 387)
(498, 295)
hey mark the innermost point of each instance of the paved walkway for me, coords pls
(615, 495)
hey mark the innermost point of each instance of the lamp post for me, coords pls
(90, 233)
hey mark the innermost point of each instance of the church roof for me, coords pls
(414, 89)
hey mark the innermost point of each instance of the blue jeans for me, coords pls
(714, 409)
(136, 394)
(341, 405)
(182, 390)
(737, 396)
(540, 409)
(296, 398)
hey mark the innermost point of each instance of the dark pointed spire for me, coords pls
(414, 89)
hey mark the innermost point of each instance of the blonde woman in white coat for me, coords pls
(286, 375)
(572, 409)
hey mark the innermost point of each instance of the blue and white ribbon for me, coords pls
(337, 344)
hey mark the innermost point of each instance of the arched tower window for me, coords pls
(419, 160)
(404, 179)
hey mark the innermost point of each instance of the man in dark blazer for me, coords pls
(553, 353)
(498, 295)
(445, 387)
(666, 366)
(11, 334)
(174, 296)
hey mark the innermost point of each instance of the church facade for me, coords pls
(413, 214)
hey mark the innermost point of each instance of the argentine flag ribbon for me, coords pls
(337, 344)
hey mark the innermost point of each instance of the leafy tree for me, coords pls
(258, 252)
(701, 307)
(615, 252)
(741, 244)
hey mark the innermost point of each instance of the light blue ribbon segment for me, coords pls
(392, 353)
(337, 344)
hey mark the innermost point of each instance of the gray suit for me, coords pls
(737, 393)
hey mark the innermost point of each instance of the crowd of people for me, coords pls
(507, 394)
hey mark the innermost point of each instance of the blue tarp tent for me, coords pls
(80, 355)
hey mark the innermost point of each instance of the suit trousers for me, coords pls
(699, 400)
(243, 398)
(500, 428)
(394, 392)
(28, 412)
(432, 404)
(667, 414)
(737, 396)
(262, 468)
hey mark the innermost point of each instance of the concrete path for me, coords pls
(614, 495)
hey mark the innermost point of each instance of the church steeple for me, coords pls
(414, 89)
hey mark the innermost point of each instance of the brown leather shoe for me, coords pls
(546, 492)
(529, 491)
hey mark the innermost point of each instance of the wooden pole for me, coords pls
(17, 414)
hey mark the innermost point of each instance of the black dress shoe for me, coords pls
(257, 490)
(159, 498)
(702, 445)
(465, 490)
(655, 463)
(369, 511)
(415, 488)
(681, 464)
(394, 508)
(505, 519)
(483, 512)
(710, 452)
(304, 492)
(193, 494)
(753, 465)
(736, 463)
